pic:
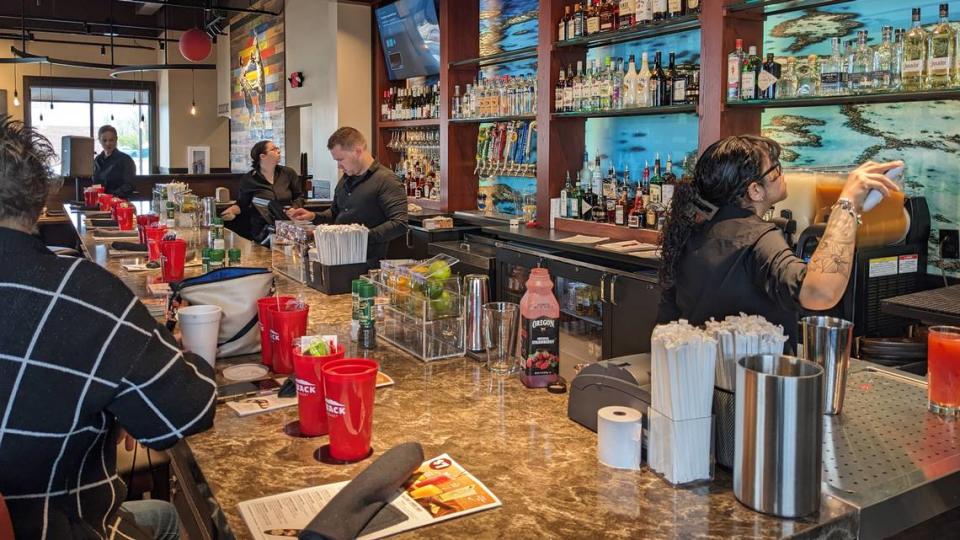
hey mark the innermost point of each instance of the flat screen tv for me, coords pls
(410, 36)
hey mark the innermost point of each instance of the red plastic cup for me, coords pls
(349, 386)
(114, 204)
(144, 221)
(287, 323)
(310, 402)
(154, 235)
(173, 254)
(105, 200)
(266, 356)
(90, 197)
(125, 217)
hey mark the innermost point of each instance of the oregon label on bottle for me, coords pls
(540, 347)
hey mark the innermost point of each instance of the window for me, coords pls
(61, 107)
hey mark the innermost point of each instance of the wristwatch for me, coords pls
(844, 203)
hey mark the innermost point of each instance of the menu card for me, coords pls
(439, 490)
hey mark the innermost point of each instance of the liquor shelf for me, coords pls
(773, 7)
(424, 122)
(633, 33)
(492, 119)
(526, 53)
(638, 111)
(854, 99)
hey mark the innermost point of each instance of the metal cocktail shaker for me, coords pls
(477, 290)
(826, 341)
(209, 205)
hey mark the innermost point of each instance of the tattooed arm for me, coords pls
(831, 264)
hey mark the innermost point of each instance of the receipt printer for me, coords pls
(623, 381)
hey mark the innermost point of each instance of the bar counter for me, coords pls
(518, 441)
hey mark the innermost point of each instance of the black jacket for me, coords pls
(736, 263)
(115, 172)
(375, 199)
(286, 189)
(80, 354)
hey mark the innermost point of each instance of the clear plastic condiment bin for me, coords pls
(290, 248)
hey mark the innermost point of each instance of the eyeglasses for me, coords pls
(776, 167)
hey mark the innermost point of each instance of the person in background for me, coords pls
(734, 261)
(82, 364)
(112, 168)
(368, 193)
(266, 180)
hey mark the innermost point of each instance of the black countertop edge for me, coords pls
(551, 239)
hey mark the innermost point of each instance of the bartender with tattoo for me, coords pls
(720, 258)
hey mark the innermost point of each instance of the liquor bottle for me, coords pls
(735, 62)
(656, 182)
(896, 64)
(611, 193)
(693, 87)
(787, 87)
(562, 33)
(566, 104)
(558, 92)
(860, 81)
(849, 57)
(677, 8)
(660, 10)
(606, 86)
(593, 19)
(579, 22)
(830, 71)
(652, 215)
(578, 83)
(575, 200)
(669, 185)
(693, 7)
(637, 212)
(628, 13)
(590, 201)
(941, 66)
(669, 78)
(565, 198)
(644, 92)
(769, 77)
(608, 18)
(596, 83)
(808, 76)
(586, 170)
(644, 12)
(913, 70)
(620, 209)
(630, 84)
(658, 83)
(883, 62)
(616, 82)
(748, 75)
(645, 181)
(597, 175)
(678, 95)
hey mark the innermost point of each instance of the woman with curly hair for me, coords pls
(719, 257)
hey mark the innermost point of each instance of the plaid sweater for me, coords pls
(80, 354)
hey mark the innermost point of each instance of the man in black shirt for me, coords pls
(368, 193)
(734, 261)
(112, 168)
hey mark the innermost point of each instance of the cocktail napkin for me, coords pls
(350, 510)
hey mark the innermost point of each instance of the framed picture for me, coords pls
(198, 159)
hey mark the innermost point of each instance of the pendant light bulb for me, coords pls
(51, 105)
(16, 99)
(193, 109)
(41, 117)
(142, 122)
(111, 117)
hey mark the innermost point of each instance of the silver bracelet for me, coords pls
(844, 203)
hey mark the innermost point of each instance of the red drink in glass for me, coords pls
(943, 370)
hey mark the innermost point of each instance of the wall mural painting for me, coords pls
(507, 25)
(923, 134)
(257, 82)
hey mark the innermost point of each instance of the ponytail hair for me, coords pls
(721, 177)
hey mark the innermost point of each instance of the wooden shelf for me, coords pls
(660, 28)
(427, 122)
(609, 230)
(884, 97)
(492, 119)
(773, 7)
(526, 53)
(645, 111)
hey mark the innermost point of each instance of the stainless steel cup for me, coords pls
(778, 455)
(826, 341)
(477, 290)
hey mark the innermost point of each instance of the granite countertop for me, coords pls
(517, 441)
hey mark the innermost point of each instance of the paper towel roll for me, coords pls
(619, 431)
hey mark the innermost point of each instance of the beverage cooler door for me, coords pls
(581, 315)
(630, 313)
(513, 269)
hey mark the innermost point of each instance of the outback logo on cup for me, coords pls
(274, 335)
(335, 408)
(306, 388)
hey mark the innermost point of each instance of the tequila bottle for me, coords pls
(788, 80)
(830, 83)
(808, 78)
(913, 70)
(896, 64)
(941, 63)
(630, 84)
(883, 62)
(644, 94)
(861, 71)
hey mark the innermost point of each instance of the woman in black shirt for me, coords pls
(267, 180)
(721, 258)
